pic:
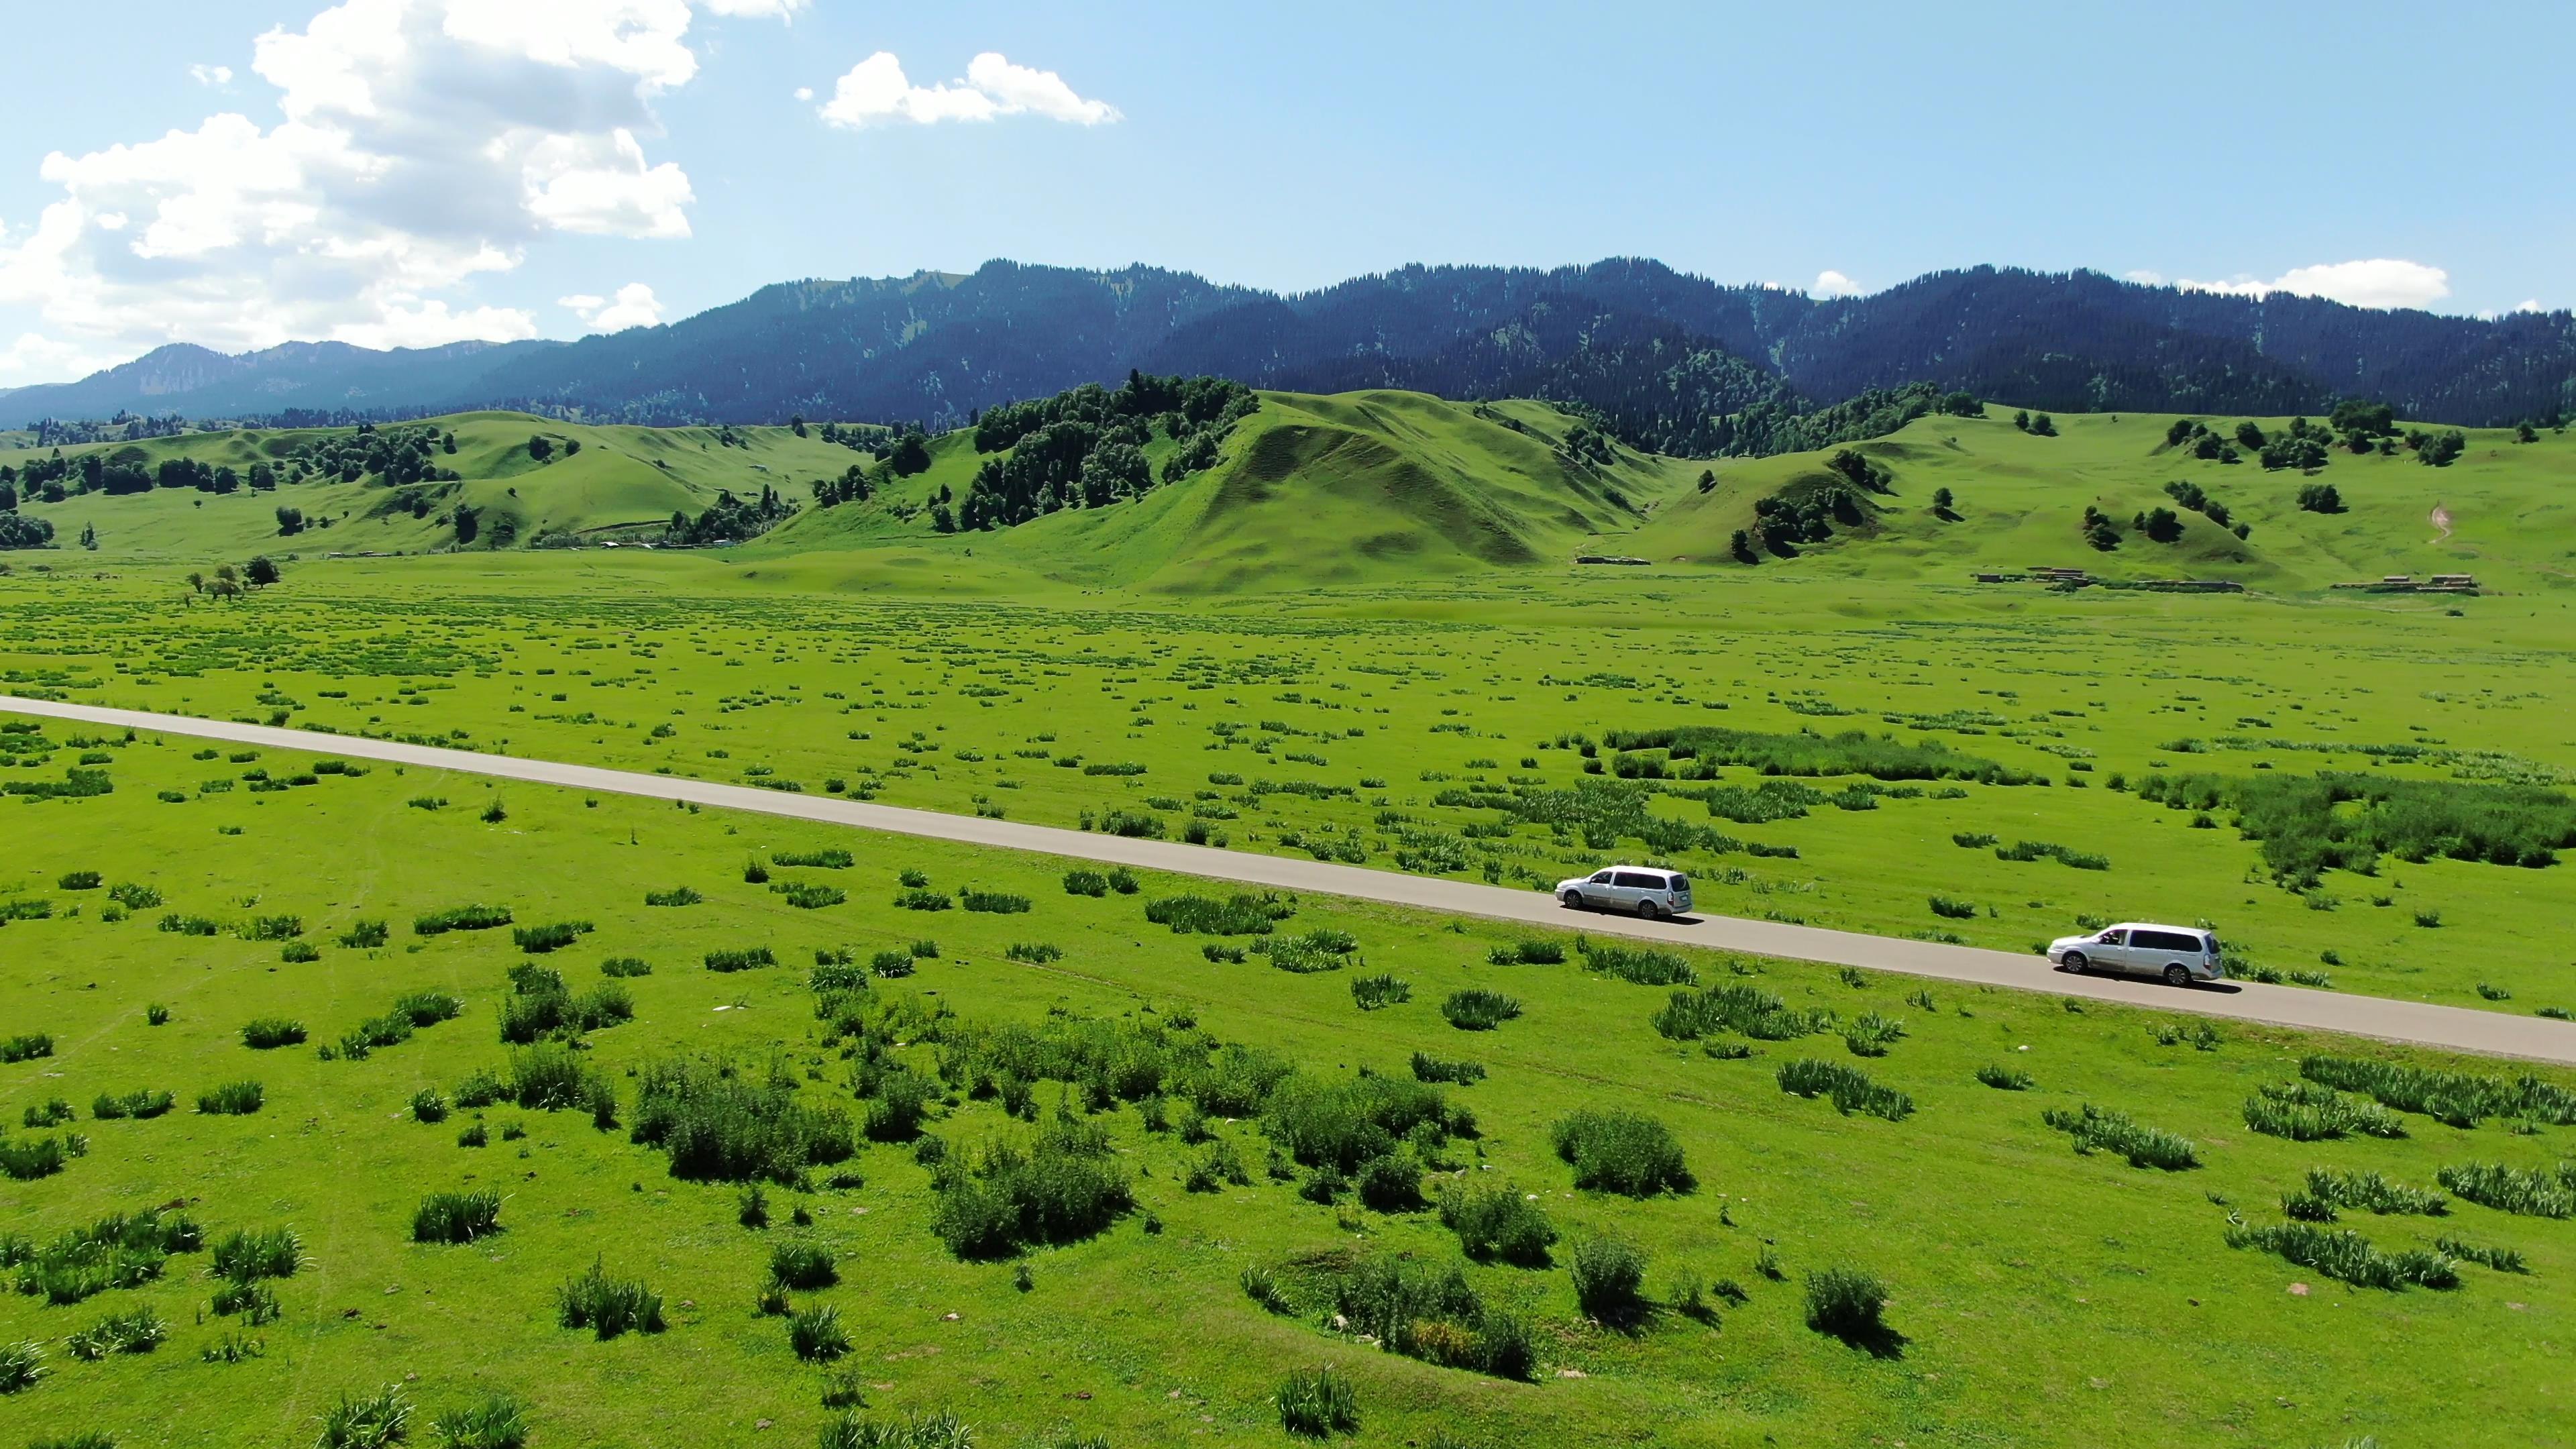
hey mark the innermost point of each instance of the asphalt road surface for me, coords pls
(2418, 1023)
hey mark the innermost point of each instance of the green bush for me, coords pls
(1373, 992)
(1085, 883)
(1425, 1311)
(813, 859)
(2101, 1129)
(552, 936)
(802, 1266)
(676, 896)
(993, 903)
(922, 900)
(817, 1335)
(608, 1307)
(1477, 1009)
(1529, 951)
(428, 1106)
(376, 1421)
(1849, 1088)
(232, 1099)
(269, 1032)
(244, 1255)
(1623, 1152)
(137, 1330)
(921, 1431)
(1846, 1303)
(1740, 1008)
(1608, 1275)
(494, 1421)
(722, 1128)
(2458, 1099)
(21, 1364)
(1240, 915)
(2004, 1079)
(1428, 1068)
(460, 918)
(750, 959)
(2532, 1193)
(625, 966)
(456, 1217)
(1499, 1223)
(806, 897)
(2343, 1254)
(1345, 1122)
(366, 935)
(1641, 965)
(1067, 1186)
(2369, 1192)
(136, 1104)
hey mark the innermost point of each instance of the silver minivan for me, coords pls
(1647, 890)
(2179, 954)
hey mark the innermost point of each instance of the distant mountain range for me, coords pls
(1670, 360)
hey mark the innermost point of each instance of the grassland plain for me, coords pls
(1451, 727)
(2037, 1295)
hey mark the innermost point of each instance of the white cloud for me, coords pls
(211, 75)
(2529, 304)
(876, 90)
(635, 306)
(2378, 282)
(37, 359)
(804, 93)
(425, 143)
(1831, 283)
(2144, 278)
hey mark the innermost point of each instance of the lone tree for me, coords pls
(290, 522)
(540, 449)
(261, 571)
(1941, 501)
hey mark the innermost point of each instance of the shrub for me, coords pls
(1531, 951)
(1953, 910)
(377, 1421)
(1085, 883)
(1317, 1403)
(2343, 1254)
(232, 1099)
(1637, 964)
(1849, 1088)
(1035, 953)
(1428, 1068)
(1607, 1276)
(802, 1266)
(473, 1134)
(813, 859)
(80, 880)
(993, 903)
(135, 1104)
(551, 1078)
(1391, 1182)
(1622, 1152)
(2101, 1129)
(1740, 1008)
(1373, 992)
(268, 1032)
(552, 936)
(750, 959)
(625, 966)
(1262, 1287)
(2533, 1193)
(2370, 1192)
(428, 1106)
(494, 1421)
(21, 1364)
(816, 1334)
(26, 1160)
(460, 918)
(2004, 1079)
(922, 900)
(456, 1217)
(608, 1307)
(2307, 1112)
(1846, 1303)
(1067, 1186)
(1498, 1223)
(244, 1255)
(724, 1128)
(806, 897)
(1477, 1009)
(1239, 915)
(365, 935)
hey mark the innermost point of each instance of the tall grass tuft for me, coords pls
(2004, 1079)
(232, 1099)
(2502, 1260)
(1740, 1008)
(1477, 1009)
(2534, 1193)
(2101, 1129)
(921, 1431)
(723, 1128)
(1428, 1068)
(2308, 1112)
(606, 1306)
(2370, 1192)
(268, 1032)
(2343, 1254)
(460, 918)
(494, 1421)
(1382, 990)
(376, 1421)
(817, 1335)
(1529, 951)
(1240, 915)
(2459, 1099)
(1608, 1276)
(1622, 1152)
(1848, 1304)
(245, 1256)
(1640, 965)
(1849, 1088)
(456, 1217)
(137, 1330)
(1317, 1403)
(802, 1266)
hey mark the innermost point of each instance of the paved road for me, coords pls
(2456, 1028)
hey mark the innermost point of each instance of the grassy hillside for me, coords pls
(2020, 501)
(621, 478)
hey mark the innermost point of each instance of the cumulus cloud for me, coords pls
(1831, 283)
(2378, 282)
(211, 75)
(634, 306)
(2144, 278)
(876, 91)
(424, 144)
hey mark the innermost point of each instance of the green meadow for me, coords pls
(858, 1132)
(1199, 1118)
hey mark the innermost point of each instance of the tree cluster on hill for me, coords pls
(1807, 509)
(125, 427)
(730, 520)
(398, 456)
(2192, 496)
(20, 530)
(1085, 448)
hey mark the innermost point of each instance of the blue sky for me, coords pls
(413, 171)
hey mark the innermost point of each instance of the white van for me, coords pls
(2179, 954)
(1647, 890)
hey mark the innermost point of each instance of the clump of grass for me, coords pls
(1623, 1152)
(365, 935)
(625, 966)
(809, 897)
(1951, 909)
(1373, 992)
(460, 918)
(551, 936)
(2458, 1099)
(232, 1099)
(29, 1159)
(1849, 1088)
(494, 1421)
(2307, 1112)
(2365, 1191)
(1035, 953)
(1428, 1068)
(1529, 951)
(606, 1306)
(1640, 965)
(137, 1330)
(136, 1104)
(727, 1128)
(473, 1134)
(156, 1014)
(1066, 1186)
(922, 900)
(1608, 1278)
(813, 859)
(1498, 1223)
(269, 1032)
(891, 964)
(2098, 1129)
(1737, 1007)
(802, 1266)
(244, 1255)
(1262, 1287)
(919, 1431)
(1870, 1034)
(2533, 1193)
(457, 1217)
(1240, 915)
(741, 959)
(993, 903)
(1848, 1304)
(2343, 1254)
(428, 1106)
(1477, 1009)
(817, 1335)
(1085, 883)
(376, 1421)
(21, 1364)
(2004, 1079)
(2502, 1260)
(676, 896)
(1317, 1403)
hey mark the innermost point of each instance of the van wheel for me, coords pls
(1573, 900)
(1648, 910)
(2075, 962)
(2175, 975)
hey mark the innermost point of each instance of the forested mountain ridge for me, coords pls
(1671, 361)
